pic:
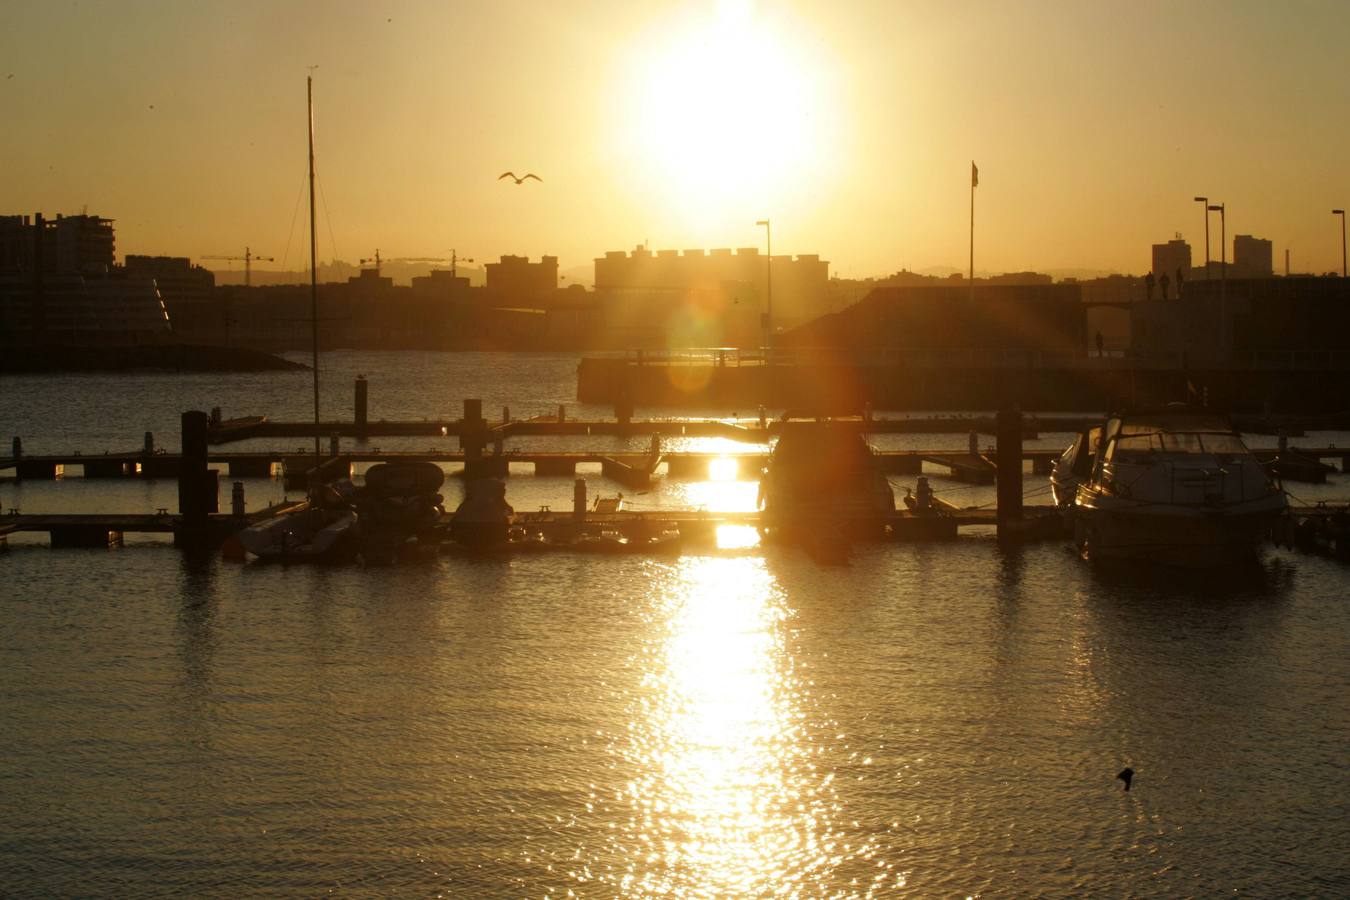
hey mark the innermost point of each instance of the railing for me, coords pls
(1291, 360)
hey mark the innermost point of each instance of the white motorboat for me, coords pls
(1073, 465)
(1174, 485)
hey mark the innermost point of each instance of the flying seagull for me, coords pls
(1126, 775)
(521, 179)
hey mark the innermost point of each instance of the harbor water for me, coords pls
(739, 721)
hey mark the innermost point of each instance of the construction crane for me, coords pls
(453, 260)
(248, 259)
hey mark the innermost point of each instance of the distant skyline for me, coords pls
(852, 126)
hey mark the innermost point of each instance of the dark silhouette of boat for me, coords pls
(823, 479)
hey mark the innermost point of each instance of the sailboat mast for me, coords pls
(313, 269)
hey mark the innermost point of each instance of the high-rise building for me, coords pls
(1253, 257)
(71, 245)
(1170, 257)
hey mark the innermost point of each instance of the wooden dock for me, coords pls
(109, 529)
(629, 469)
(696, 526)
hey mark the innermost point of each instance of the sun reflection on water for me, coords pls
(726, 799)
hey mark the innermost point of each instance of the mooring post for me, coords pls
(579, 500)
(362, 405)
(237, 500)
(17, 447)
(1008, 446)
(193, 503)
(471, 437)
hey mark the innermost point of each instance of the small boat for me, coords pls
(1174, 485)
(311, 534)
(398, 505)
(1073, 466)
(823, 475)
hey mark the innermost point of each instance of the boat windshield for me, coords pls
(1179, 442)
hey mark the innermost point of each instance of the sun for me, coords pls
(727, 112)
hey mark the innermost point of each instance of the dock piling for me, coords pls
(1008, 444)
(362, 406)
(193, 502)
(17, 447)
(579, 500)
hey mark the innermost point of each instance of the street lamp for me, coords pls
(1204, 201)
(1341, 213)
(768, 282)
(1223, 273)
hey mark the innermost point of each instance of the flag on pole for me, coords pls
(974, 175)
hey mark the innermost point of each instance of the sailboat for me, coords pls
(326, 529)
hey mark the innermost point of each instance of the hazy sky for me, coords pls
(851, 124)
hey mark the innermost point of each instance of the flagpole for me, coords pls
(973, 179)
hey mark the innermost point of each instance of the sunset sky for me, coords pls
(851, 124)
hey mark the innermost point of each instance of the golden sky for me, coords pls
(851, 124)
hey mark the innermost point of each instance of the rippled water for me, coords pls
(929, 720)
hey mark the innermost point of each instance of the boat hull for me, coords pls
(1179, 536)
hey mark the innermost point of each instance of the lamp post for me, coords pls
(1341, 213)
(1204, 201)
(1220, 208)
(768, 284)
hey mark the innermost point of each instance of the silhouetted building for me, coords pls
(71, 245)
(1265, 321)
(516, 282)
(993, 318)
(79, 310)
(178, 280)
(699, 298)
(1253, 257)
(1170, 257)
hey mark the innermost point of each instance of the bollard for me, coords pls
(17, 447)
(149, 443)
(237, 500)
(579, 500)
(362, 405)
(923, 495)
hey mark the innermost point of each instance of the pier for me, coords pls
(479, 448)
